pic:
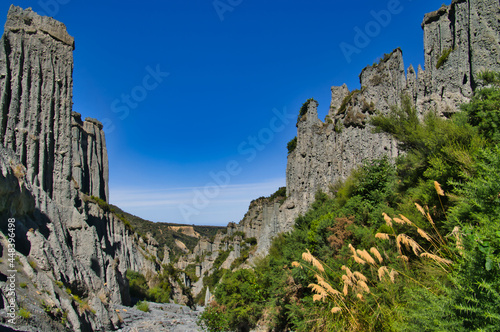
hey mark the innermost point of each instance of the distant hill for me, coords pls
(167, 233)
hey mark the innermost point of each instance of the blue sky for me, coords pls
(200, 97)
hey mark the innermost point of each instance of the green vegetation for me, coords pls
(292, 145)
(443, 58)
(23, 285)
(24, 313)
(303, 108)
(160, 288)
(410, 245)
(143, 306)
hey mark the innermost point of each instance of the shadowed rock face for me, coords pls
(51, 162)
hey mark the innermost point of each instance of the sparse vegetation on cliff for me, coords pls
(292, 145)
(443, 58)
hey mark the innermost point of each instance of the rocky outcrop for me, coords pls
(51, 165)
(90, 157)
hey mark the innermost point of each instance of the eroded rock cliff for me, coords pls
(54, 182)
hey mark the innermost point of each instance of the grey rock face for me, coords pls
(90, 157)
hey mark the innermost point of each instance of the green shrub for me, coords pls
(292, 145)
(24, 313)
(137, 284)
(143, 306)
(23, 285)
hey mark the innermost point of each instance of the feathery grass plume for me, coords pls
(364, 286)
(377, 254)
(406, 220)
(345, 290)
(317, 297)
(409, 243)
(360, 296)
(308, 257)
(352, 249)
(360, 276)
(403, 257)
(420, 209)
(382, 236)
(423, 234)
(347, 280)
(358, 260)
(393, 275)
(387, 219)
(318, 290)
(366, 256)
(347, 271)
(439, 191)
(437, 258)
(399, 221)
(296, 264)
(381, 271)
(327, 286)
(336, 309)
(428, 216)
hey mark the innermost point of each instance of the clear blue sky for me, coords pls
(187, 89)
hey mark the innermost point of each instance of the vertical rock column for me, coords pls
(36, 65)
(90, 157)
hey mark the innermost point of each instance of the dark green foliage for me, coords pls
(292, 145)
(437, 149)
(137, 284)
(280, 193)
(140, 289)
(484, 110)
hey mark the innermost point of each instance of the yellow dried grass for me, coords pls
(364, 286)
(327, 286)
(336, 309)
(393, 275)
(360, 276)
(382, 236)
(377, 254)
(366, 256)
(420, 209)
(381, 271)
(437, 258)
(358, 260)
(308, 257)
(387, 219)
(406, 220)
(423, 234)
(439, 191)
